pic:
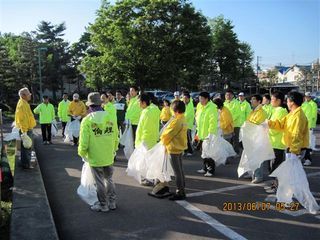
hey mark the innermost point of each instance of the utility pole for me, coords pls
(257, 82)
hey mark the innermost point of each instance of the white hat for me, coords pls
(241, 94)
(308, 94)
(75, 96)
(176, 93)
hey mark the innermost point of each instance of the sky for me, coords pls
(279, 31)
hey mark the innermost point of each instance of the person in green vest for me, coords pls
(148, 127)
(279, 112)
(244, 107)
(267, 107)
(310, 109)
(63, 112)
(107, 104)
(98, 143)
(121, 107)
(234, 107)
(46, 116)
(189, 115)
(207, 125)
(133, 111)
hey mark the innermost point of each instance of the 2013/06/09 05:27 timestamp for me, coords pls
(259, 206)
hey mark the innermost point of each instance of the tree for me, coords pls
(163, 43)
(57, 56)
(231, 60)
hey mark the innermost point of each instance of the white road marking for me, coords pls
(220, 190)
(211, 221)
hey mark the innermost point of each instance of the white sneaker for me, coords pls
(257, 180)
(97, 207)
(307, 162)
(207, 174)
(188, 154)
(201, 171)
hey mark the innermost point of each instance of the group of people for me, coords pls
(106, 116)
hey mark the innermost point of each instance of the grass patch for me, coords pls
(5, 220)
(6, 206)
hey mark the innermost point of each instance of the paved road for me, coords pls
(139, 216)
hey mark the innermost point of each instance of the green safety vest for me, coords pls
(63, 111)
(46, 113)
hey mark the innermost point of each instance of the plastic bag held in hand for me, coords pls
(127, 141)
(293, 182)
(87, 189)
(26, 141)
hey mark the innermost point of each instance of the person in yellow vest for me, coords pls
(165, 114)
(234, 107)
(76, 110)
(257, 116)
(245, 107)
(267, 107)
(279, 112)
(174, 137)
(176, 95)
(63, 112)
(226, 121)
(46, 116)
(189, 115)
(295, 137)
(207, 125)
(310, 109)
(98, 130)
(25, 121)
(133, 111)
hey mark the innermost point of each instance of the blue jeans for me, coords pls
(26, 153)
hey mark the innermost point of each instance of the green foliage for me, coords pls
(231, 59)
(150, 43)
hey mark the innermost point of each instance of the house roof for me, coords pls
(282, 69)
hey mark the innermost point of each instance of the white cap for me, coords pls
(308, 94)
(176, 93)
(241, 94)
(75, 96)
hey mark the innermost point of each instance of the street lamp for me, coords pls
(39, 60)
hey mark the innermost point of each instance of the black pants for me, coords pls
(307, 155)
(46, 128)
(279, 158)
(235, 140)
(64, 124)
(134, 129)
(189, 138)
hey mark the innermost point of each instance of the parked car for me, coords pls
(169, 97)
(158, 93)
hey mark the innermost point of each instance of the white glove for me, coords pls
(78, 118)
(26, 141)
(85, 159)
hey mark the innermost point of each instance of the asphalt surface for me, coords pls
(140, 216)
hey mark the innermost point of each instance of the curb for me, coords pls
(31, 213)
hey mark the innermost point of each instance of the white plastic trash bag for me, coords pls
(54, 128)
(256, 147)
(127, 141)
(26, 141)
(312, 140)
(14, 135)
(72, 130)
(158, 164)
(137, 167)
(87, 190)
(293, 182)
(217, 148)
